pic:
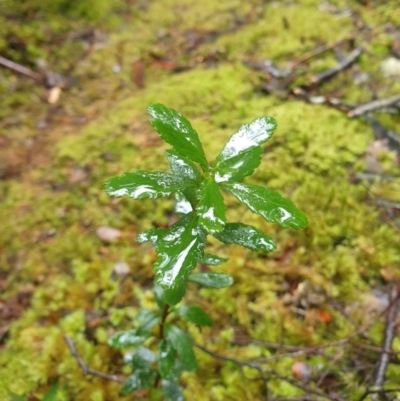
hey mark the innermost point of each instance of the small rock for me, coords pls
(77, 175)
(108, 234)
(121, 269)
(391, 67)
(301, 370)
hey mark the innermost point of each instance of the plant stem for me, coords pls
(164, 315)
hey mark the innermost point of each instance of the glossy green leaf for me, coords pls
(190, 194)
(211, 208)
(166, 358)
(159, 295)
(172, 391)
(147, 320)
(212, 260)
(153, 235)
(211, 280)
(269, 204)
(247, 236)
(124, 339)
(144, 184)
(182, 344)
(141, 378)
(178, 132)
(174, 295)
(182, 205)
(179, 250)
(242, 153)
(183, 167)
(141, 358)
(195, 314)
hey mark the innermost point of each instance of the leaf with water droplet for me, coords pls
(269, 204)
(182, 166)
(147, 319)
(242, 153)
(140, 379)
(212, 260)
(144, 184)
(211, 208)
(141, 358)
(171, 390)
(128, 338)
(158, 295)
(211, 280)
(182, 205)
(166, 358)
(153, 235)
(182, 344)
(195, 314)
(247, 236)
(176, 130)
(174, 294)
(179, 250)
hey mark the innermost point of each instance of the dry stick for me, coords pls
(374, 105)
(328, 369)
(387, 390)
(372, 177)
(341, 66)
(256, 364)
(387, 343)
(86, 369)
(20, 69)
(317, 51)
(271, 372)
(341, 342)
(373, 348)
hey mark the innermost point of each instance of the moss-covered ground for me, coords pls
(56, 274)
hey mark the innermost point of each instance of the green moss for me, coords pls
(50, 214)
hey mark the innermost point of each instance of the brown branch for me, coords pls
(317, 51)
(384, 390)
(339, 67)
(373, 177)
(256, 366)
(20, 69)
(164, 316)
(390, 329)
(86, 369)
(374, 105)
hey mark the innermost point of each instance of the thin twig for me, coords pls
(373, 177)
(275, 346)
(164, 315)
(317, 51)
(381, 132)
(20, 69)
(329, 367)
(256, 366)
(390, 329)
(86, 369)
(374, 391)
(341, 66)
(374, 105)
(385, 203)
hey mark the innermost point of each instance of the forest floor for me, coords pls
(316, 319)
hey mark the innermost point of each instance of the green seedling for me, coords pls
(198, 186)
